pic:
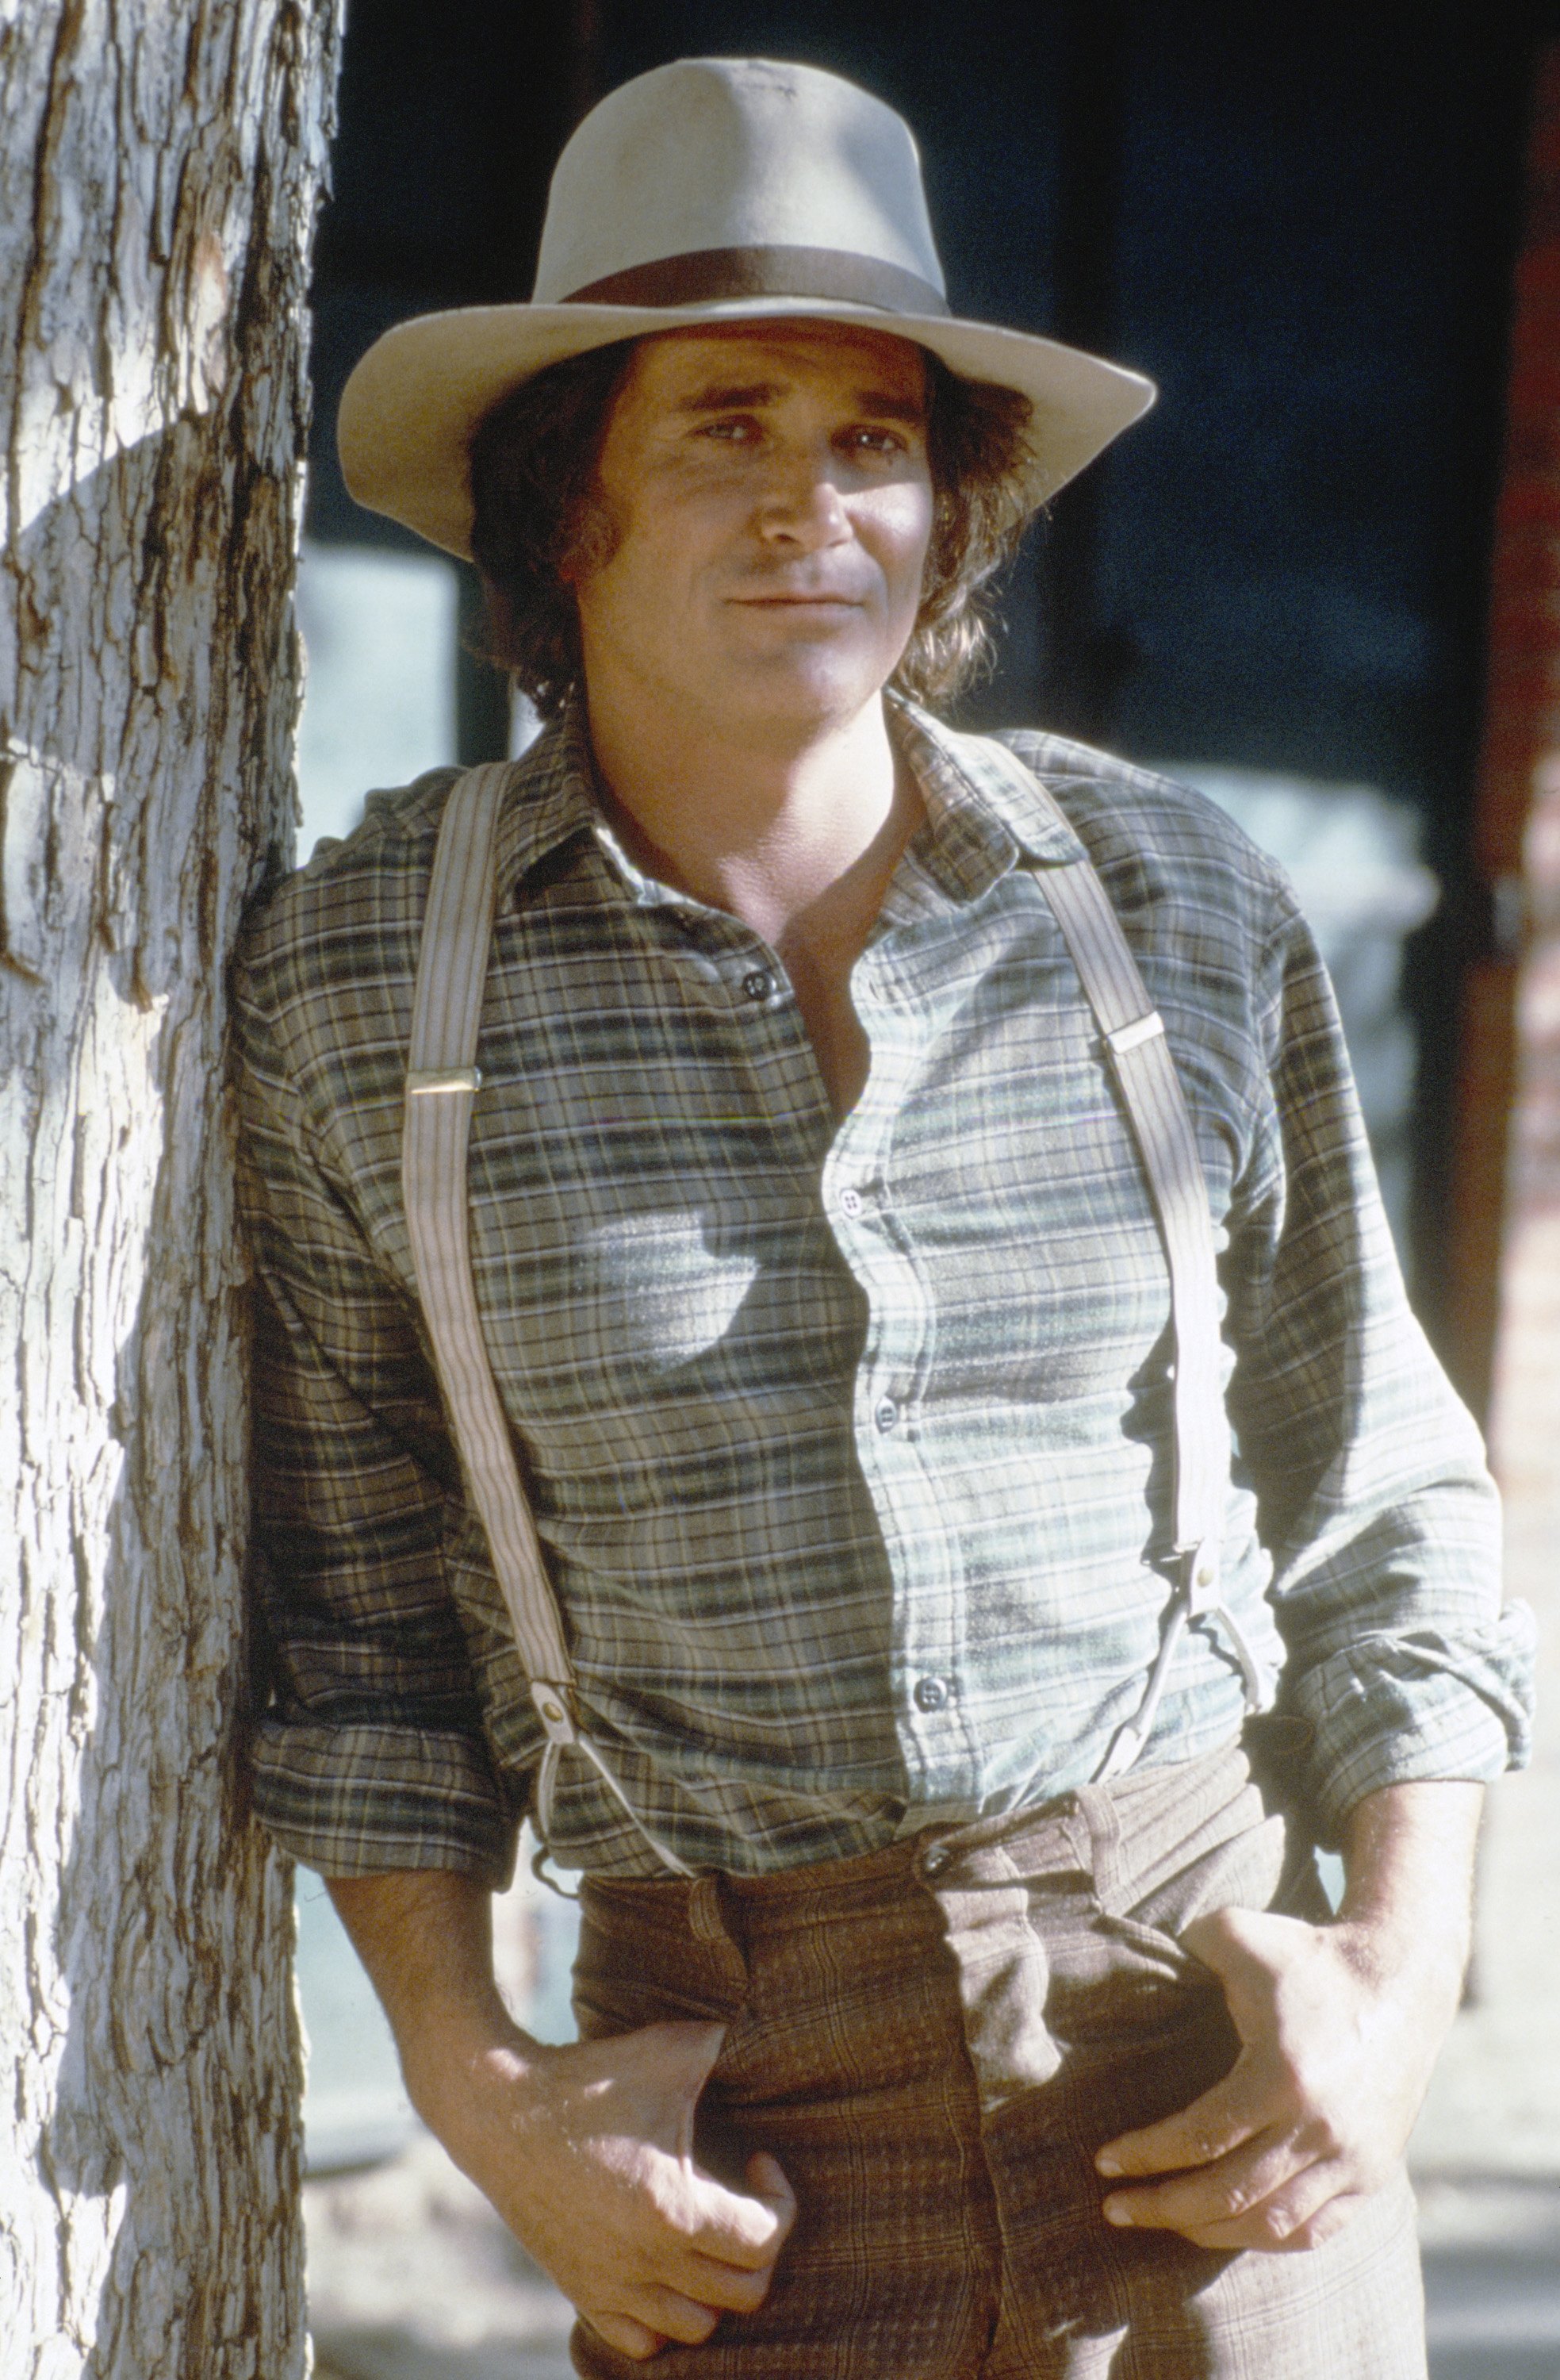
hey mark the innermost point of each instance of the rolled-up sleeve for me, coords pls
(371, 1754)
(1373, 1498)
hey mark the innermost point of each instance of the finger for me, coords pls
(1223, 2119)
(1311, 2211)
(1220, 2192)
(1327, 2222)
(724, 2286)
(675, 2316)
(1292, 2217)
(1253, 2239)
(620, 2330)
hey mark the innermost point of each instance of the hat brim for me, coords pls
(408, 410)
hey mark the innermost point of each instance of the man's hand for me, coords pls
(1313, 2115)
(586, 2151)
(1339, 2027)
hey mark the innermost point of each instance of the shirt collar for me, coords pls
(982, 817)
(979, 816)
(551, 797)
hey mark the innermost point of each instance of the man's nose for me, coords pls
(803, 505)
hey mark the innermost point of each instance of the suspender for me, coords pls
(1139, 1053)
(443, 1080)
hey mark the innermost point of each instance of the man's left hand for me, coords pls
(1339, 2027)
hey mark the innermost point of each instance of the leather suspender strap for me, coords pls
(442, 1082)
(1150, 1091)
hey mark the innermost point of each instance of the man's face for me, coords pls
(772, 501)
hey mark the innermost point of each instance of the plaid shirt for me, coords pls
(848, 1441)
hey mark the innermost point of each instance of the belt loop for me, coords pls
(1102, 1846)
(706, 1923)
(704, 1910)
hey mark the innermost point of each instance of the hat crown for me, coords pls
(720, 154)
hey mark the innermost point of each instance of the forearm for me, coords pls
(1409, 1854)
(425, 1936)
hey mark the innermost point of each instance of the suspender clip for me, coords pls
(552, 1704)
(1200, 1572)
(421, 1080)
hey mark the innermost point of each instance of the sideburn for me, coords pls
(592, 535)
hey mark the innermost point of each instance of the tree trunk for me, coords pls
(159, 173)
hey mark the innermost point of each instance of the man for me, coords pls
(955, 1988)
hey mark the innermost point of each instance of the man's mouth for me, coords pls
(787, 602)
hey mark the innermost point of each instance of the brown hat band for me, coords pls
(703, 276)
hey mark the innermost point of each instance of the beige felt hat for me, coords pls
(713, 190)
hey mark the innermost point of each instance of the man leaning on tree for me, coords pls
(825, 1328)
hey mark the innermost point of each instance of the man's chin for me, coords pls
(819, 668)
(807, 686)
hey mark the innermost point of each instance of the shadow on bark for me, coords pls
(157, 1926)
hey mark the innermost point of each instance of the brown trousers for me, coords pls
(934, 2040)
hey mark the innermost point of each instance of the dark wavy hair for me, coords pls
(538, 517)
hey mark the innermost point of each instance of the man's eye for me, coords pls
(877, 442)
(737, 433)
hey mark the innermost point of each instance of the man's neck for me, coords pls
(766, 820)
(797, 834)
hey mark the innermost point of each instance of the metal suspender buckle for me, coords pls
(421, 1080)
(1133, 1036)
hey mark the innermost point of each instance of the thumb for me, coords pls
(683, 2054)
(753, 2221)
(1236, 1942)
(1250, 1950)
(767, 2183)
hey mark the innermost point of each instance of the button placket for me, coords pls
(858, 1200)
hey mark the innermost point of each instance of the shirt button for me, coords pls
(935, 1859)
(759, 986)
(931, 1694)
(886, 1414)
(850, 1202)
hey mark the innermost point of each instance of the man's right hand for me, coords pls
(586, 2151)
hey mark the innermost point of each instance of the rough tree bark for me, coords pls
(159, 172)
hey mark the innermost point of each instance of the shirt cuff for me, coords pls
(359, 1799)
(1401, 1710)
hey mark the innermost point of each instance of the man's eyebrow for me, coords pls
(732, 398)
(729, 397)
(884, 407)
